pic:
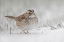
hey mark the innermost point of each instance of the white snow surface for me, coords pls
(56, 35)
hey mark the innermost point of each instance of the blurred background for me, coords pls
(48, 11)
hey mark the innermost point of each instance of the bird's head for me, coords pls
(30, 12)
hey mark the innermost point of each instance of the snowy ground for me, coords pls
(56, 35)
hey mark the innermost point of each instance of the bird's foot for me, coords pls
(26, 32)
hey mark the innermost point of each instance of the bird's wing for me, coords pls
(23, 16)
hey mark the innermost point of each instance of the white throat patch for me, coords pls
(32, 16)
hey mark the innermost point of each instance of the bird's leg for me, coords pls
(24, 31)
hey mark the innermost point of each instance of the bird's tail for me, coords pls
(12, 17)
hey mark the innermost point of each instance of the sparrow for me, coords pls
(25, 22)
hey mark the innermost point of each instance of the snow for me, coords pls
(56, 35)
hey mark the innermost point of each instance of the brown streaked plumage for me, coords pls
(26, 21)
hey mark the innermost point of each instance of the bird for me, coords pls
(25, 22)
